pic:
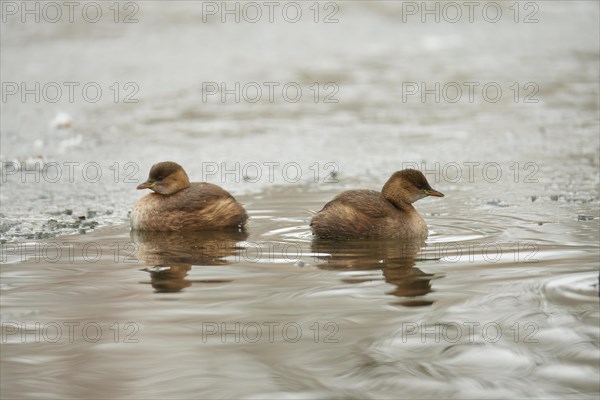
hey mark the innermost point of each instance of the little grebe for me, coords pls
(372, 214)
(178, 205)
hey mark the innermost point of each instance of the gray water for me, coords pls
(502, 300)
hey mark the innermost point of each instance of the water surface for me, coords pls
(467, 315)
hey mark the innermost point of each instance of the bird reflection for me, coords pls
(170, 255)
(168, 278)
(393, 257)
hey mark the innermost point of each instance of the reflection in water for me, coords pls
(393, 257)
(170, 255)
(169, 278)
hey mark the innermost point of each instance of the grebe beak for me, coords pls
(434, 193)
(146, 185)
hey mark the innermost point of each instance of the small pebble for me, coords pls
(497, 203)
(554, 197)
(300, 264)
(585, 218)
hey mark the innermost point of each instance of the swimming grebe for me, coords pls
(372, 214)
(178, 205)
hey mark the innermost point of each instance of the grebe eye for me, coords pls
(160, 178)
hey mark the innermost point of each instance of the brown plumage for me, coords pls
(372, 214)
(178, 205)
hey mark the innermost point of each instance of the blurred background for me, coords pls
(189, 83)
